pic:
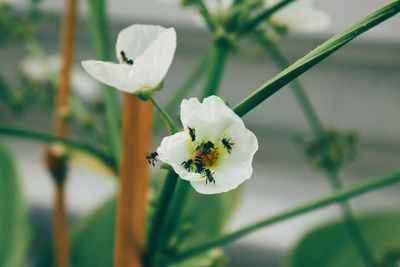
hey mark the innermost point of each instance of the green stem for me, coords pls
(354, 230)
(219, 59)
(158, 221)
(206, 15)
(12, 131)
(316, 56)
(100, 34)
(341, 195)
(315, 124)
(169, 123)
(264, 15)
(174, 215)
(185, 88)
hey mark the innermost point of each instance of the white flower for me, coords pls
(43, 70)
(145, 53)
(214, 151)
(301, 16)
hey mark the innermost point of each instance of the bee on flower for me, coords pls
(214, 151)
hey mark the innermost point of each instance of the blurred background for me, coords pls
(358, 88)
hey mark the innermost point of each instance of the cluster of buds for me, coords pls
(333, 150)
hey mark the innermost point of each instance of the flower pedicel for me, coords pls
(214, 151)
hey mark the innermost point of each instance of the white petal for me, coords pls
(226, 180)
(176, 149)
(119, 76)
(153, 64)
(236, 167)
(135, 39)
(152, 49)
(302, 16)
(210, 119)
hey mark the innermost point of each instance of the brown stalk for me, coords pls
(55, 157)
(134, 172)
(67, 50)
(60, 227)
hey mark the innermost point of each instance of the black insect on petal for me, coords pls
(126, 59)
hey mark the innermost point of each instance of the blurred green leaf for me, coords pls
(93, 238)
(14, 226)
(330, 246)
(204, 216)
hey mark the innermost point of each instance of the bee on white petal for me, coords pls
(214, 151)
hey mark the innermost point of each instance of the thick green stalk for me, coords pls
(316, 56)
(341, 195)
(101, 37)
(186, 87)
(264, 15)
(174, 215)
(157, 223)
(12, 131)
(217, 66)
(318, 130)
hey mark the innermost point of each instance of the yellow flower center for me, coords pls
(206, 157)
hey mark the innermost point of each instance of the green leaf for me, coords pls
(204, 217)
(14, 226)
(93, 238)
(330, 245)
